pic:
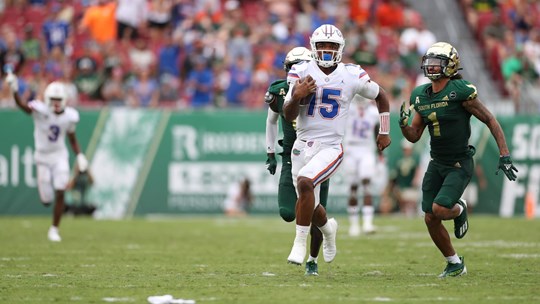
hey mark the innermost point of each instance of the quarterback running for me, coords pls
(320, 93)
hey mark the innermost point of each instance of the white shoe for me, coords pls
(329, 241)
(369, 229)
(298, 253)
(354, 230)
(53, 234)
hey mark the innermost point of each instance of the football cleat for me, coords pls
(54, 235)
(312, 269)
(461, 223)
(329, 241)
(454, 270)
(298, 254)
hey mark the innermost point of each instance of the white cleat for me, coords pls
(329, 241)
(354, 230)
(298, 254)
(369, 229)
(53, 234)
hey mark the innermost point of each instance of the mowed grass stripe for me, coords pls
(220, 260)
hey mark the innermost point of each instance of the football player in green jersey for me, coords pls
(274, 97)
(445, 106)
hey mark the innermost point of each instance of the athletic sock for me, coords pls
(302, 233)
(354, 217)
(312, 259)
(454, 259)
(367, 215)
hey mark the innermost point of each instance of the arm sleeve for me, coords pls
(369, 90)
(271, 130)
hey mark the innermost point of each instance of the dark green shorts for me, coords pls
(444, 184)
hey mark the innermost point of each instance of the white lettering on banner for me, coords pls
(526, 142)
(216, 177)
(234, 143)
(10, 167)
(515, 190)
(184, 139)
(190, 143)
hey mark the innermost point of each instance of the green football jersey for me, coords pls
(446, 118)
(279, 89)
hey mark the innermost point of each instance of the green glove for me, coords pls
(404, 114)
(271, 164)
(505, 164)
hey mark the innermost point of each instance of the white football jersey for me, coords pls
(324, 119)
(363, 119)
(50, 128)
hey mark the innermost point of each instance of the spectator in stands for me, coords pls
(159, 17)
(200, 84)
(143, 90)
(55, 30)
(531, 49)
(12, 53)
(114, 91)
(70, 87)
(389, 14)
(140, 56)
(30, 45)
(87, 77)
(169, 56)
(131, 18)
(240, 80)
(100, 21)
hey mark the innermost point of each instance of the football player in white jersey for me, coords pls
(52, 121)
(360, 162)
(319, 98)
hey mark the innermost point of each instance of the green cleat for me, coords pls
(454, 270)
(312, 269)
(461, 223)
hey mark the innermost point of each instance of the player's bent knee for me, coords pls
(305, 184)
(287, 215)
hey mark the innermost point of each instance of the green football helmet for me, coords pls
(444, 55)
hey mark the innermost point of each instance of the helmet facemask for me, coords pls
(442, 55)
(55, 97)
(327, 57)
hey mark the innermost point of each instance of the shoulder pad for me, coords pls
(356, 71)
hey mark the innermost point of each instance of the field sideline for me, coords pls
(222, 260)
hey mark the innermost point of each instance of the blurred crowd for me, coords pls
(197, 53)
(509, 33)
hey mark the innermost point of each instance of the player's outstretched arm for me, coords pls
(477, 108)
(13, 83)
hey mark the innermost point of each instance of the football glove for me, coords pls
(505, 164)
(13, 82)
(404, 114)
(271, 164)
(82, 162)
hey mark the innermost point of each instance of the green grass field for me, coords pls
(222, 260)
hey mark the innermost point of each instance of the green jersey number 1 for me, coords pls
(435, 122)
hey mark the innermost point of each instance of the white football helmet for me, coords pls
(55, 90)
(327, 33)
(296, 55)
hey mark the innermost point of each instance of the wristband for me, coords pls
(384, 123)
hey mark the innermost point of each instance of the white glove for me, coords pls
(13, 82)
(82, 162)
